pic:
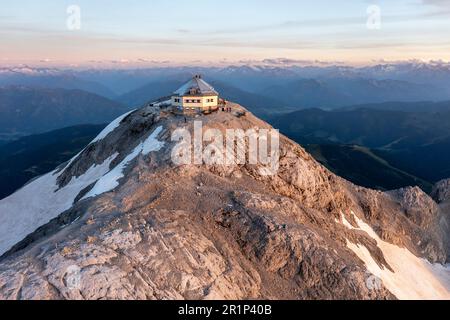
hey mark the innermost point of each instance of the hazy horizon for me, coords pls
(117, 65)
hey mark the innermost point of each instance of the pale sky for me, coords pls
(210, 31)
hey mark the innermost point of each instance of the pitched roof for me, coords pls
(196, 86)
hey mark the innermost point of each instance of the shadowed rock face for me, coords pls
(441, 191)
(441, 194)
(215, 232)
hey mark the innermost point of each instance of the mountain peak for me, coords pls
(122, 220)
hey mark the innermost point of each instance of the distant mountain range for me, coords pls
(419, 106)
(368, 127)
(51, 78)
(363, 143)
(25, 110)
(257, 103)
(289, 85)
(364, 167)
(298, 88)
(332, 93)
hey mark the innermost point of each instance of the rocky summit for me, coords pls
(122, 221)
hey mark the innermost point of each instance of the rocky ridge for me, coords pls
(223, 232)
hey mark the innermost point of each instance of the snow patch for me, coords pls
(413, 278)
(111, 127)
(111, 180)
(162, 103)
(41, 201)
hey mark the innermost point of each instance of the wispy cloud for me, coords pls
(338, 21)
(437, 3)
(242, 32)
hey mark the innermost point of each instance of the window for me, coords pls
(198, 101)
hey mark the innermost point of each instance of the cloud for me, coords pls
(341, 21)
(152, 61)
(294, 24)
(437, 3)
(290, 62)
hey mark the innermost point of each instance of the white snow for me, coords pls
(413, 278)
(39, 202)
(111, 127)
(162, 103)
(111, 180)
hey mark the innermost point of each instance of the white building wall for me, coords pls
(195, 102)
(212, 101)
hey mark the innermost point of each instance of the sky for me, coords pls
(138, 32)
